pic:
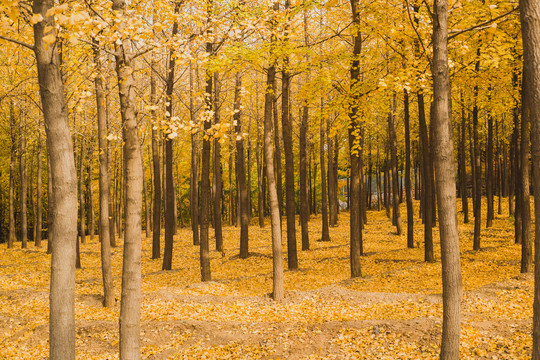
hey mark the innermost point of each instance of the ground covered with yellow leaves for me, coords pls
(393, 312)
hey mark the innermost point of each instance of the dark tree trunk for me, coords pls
(526, 241)
(408, 183)
(478, 169)
(194, 173)
(217, 183)
(427, 190)
(12, 237)
(331, 179)
(39, 194)
(463, 166)
(241, 171)
(393, 157)
(156, 213)
(325, 236)
(489, 170)
(23, 184)
(356, 247)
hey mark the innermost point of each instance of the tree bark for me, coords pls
(408, 182)
(24, 184)
(478, 169)
(131, 267)
(82, 208)
(463, 166)
(64, 178)
(156, 213)
(446, 184)
(241, 170)
(194, 173)
(12, 237)
(530, 27)
(217, 177)
(526, 241)
(104, 186)
(39, 195)
(304, 198)
(356, 248)
(489, 170)
(325, 236)
(393, 157)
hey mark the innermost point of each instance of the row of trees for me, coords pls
(224, 79)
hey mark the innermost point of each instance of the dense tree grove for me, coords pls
(126, 118)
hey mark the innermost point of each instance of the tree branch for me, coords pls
(18, 42)
(481, 25)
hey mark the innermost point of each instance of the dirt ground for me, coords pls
(393, 312)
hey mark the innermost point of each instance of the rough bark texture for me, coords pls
(446, 185)
(241, 171)
(130, 310)
(170, 217)
(64, 181)
(427, 189)
(156, 213)
(354, 151)
(526, 240)
(530, 25)
(408, 182)
(104, 187)
(275, 217)
(393, 157)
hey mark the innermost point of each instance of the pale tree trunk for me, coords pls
(277, 151)
(130, 304)
(50, 206)
(12, 237)
(241, 171)
(109, 156)
(104, 186)
(446, 185)
(275, 217)
(356, 248)
(64, 177)
(530, 27)
(170, 218)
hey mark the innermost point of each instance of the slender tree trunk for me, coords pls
(82, 209)
(24, 184)
(39, 194)
(393, 156)
(217, 179)
(277, 152)
(260, 170)
(478, 169)
(104, 186)
(325, 236)
(194, 173)
(427, 190)
(205, 173)
(148, 227)
(170, 217)
(304, 198)
(489, 170)
(12, 237)
(275, 217)
(156, 221)
(446, 185)
(331, 178)
(241, 170)
(463, 166)
(90, 192)
(64, 177)
(356, 247)
(408, 182)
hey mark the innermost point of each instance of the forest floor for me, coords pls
(393, 312)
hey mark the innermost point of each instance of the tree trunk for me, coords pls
(156, 213)
(104, 186)
(24, 184)
(277, 152)
(463, 166)
(194, 173)
(217, 179)
(131, 267)
(446, 184)
(427, 190)
(241, 170)
(260, 171)
(170, 218)
(304, 198)
(39, 194)
(90, 194)
(331, 179)
(325, 236)
(205, 174)
(526, 241)
(530, 27)
(82, 209)
(489, 170)
(478, 169)
(275, 217)
(12, 237)
(408, 183)
(64, 177)
(356, 247)
(148, 227)
(393, 156)
(286, 125)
